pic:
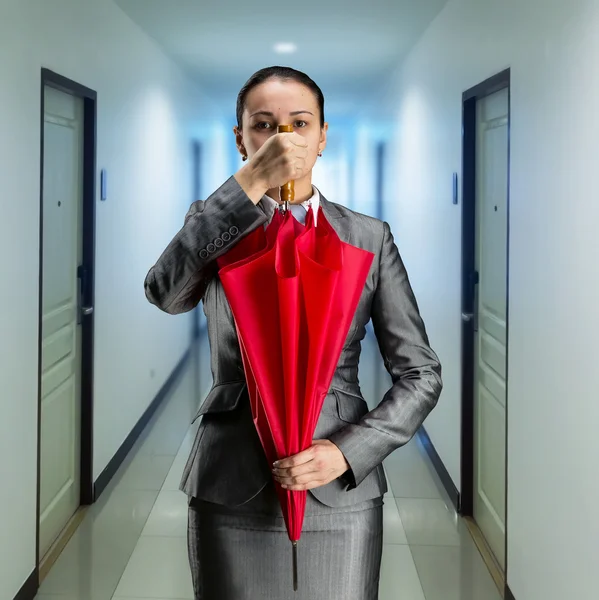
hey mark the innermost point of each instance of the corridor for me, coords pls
(132, 542)
(468, 130)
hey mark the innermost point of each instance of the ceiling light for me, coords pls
(285, 48)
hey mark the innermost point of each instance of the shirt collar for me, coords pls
(270, 205)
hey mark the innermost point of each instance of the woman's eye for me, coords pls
(262, 125)
(301, 124)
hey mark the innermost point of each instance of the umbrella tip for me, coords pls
(294, 547)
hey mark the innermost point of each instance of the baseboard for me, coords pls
(486, 553)
(51, 556)
(508, 593)
(29, 589)
(444, 475)
(117, 460)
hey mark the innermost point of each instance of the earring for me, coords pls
(320, 154)
(244, 157)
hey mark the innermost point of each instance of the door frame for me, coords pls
(470, 99)
(87, 281)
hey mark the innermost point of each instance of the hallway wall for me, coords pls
(552, 49)
(145, 124)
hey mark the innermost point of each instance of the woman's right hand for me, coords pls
(281, 158)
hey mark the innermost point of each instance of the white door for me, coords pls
(490, 352)
(61, 333)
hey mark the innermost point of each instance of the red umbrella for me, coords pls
(293, 291)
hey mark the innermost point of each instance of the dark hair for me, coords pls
(283, 74)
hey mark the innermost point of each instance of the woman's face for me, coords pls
(274, 103)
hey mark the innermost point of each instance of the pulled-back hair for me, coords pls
(282, 74)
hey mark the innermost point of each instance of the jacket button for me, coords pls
(218, 243)
(203, 254)
(233, 230)
(226, 236)
(211, 248)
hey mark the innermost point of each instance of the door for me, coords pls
(490, 326)
(61, 315)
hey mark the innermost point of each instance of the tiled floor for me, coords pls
(132, 544)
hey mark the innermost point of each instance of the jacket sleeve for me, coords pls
(177, 282)
(414, 368)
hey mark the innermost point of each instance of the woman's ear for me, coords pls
(323, 137)
(239, 141)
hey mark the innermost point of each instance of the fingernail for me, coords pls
(275, 464)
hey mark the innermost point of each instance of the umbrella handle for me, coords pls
(288, 190)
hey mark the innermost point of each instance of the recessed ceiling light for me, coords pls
(285, 48)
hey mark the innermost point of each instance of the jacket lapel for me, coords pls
(337, 219)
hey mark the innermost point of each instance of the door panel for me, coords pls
(61, 332)
(490, 345)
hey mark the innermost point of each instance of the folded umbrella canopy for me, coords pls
(293, 292)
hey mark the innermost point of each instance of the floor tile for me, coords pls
(169, 515)
(145, 472)
(63, 597)
(89, 568)
(454, 573)
(158, 568)
(409, 473)
(173, 479)
(393, 531)
(430, 522)
(399, 578)
(119, 511)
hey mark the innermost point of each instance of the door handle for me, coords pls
(471, 318)
(84, 294)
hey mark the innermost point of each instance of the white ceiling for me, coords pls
(348, 47)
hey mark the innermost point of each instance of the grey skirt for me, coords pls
(244, 553)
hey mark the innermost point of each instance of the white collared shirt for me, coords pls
(299, 211)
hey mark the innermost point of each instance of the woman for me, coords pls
(238, 545)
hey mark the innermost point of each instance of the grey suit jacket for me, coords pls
(227, 464)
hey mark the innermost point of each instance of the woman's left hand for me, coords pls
(320, 464)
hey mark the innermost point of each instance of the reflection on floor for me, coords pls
(132, 543)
